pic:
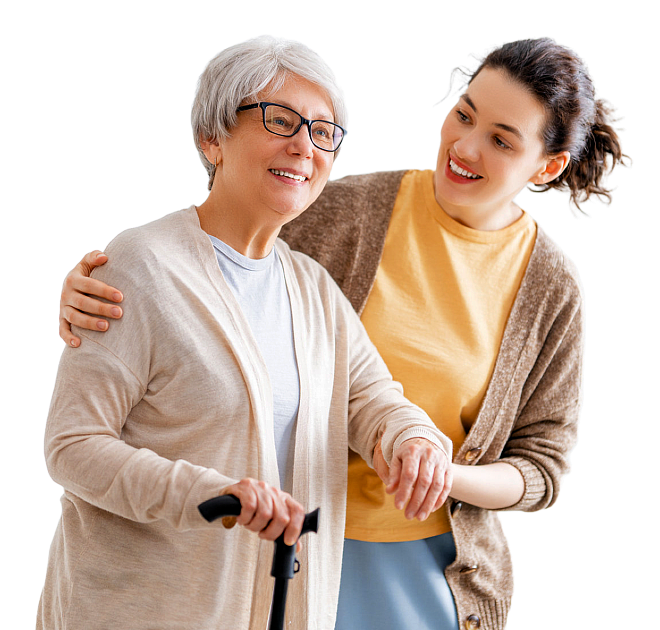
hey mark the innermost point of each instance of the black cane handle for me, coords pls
(229, 505)
(285, 564)
(217, 507)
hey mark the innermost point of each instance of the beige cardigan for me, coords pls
(172, 405)
(529, 414)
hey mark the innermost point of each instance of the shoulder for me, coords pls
(155, 234)
(143, 254)
(550, 267)
(375, 189)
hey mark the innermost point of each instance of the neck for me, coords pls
(482, 217)
(239, 229)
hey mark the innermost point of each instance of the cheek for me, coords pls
(448, 132)
(323, 168)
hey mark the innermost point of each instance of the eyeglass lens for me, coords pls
(285, 122)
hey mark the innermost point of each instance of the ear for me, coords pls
(554, 166)
(211, 151)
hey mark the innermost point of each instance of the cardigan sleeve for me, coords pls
(88, 445)
(377, 407)
(85, 452)
(545, 429)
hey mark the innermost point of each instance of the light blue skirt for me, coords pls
(395, 586)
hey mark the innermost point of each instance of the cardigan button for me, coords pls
(472, 454)
(469, 569)
(472, 622)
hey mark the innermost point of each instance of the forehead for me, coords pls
(307, 98)
(502, 101)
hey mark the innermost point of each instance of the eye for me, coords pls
(500, 143)
(462, 116)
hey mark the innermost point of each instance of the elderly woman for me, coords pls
(477, 312)
(257, 378)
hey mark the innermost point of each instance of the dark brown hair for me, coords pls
(577, 122)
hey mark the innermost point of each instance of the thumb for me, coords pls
(92, 260)
(395, 476)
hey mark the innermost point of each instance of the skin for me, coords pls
(494, 132)
(246, 208)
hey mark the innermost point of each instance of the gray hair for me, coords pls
(241, 72)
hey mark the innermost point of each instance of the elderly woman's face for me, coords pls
(274, 176)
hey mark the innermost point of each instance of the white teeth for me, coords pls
(461, 171)
(300, 178)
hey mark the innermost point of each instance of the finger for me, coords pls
(380, 465)
(82, 320)
(265, 509)
(67, 336)
(421, 488)
(245, 492)
(77, 282)
(296, 520)
(86, 304)
(287, 519)
(91, 260)
(395, 476)
(407, 479)
(434, 491)
(449, 479)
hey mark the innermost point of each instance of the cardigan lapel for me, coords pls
(520, 324)
(239, 337)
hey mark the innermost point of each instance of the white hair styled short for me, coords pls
(241, 72)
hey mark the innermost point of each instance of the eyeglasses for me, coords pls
(284, 121)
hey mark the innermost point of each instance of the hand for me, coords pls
(421, 477)
(268, 511)
(380, 465)
(76, 307)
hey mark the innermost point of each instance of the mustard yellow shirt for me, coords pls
(436, 313)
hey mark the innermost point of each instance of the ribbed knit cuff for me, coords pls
(419, 432)
(536, 490)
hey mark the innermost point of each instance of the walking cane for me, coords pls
(285, 564)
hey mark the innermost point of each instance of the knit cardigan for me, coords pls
(529, 413)
(172, 405)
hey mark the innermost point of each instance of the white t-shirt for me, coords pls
(260, 289)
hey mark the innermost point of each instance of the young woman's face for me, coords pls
(491, 146)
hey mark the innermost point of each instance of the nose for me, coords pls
(300, 143)
(467, 146)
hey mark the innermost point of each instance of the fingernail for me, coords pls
(116, 311)
(117, 296)
(74, 343)
(102, 325)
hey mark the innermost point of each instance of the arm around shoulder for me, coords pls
(79, 303)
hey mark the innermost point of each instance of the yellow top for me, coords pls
(436, 313)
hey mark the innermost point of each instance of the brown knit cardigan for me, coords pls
(528, 416)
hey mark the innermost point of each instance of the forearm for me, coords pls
(85, 452)
(491, 486)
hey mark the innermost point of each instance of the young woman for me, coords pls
(476, 312)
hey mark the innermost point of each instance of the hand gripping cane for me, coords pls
(285, 564)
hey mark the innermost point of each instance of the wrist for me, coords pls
(418, 433)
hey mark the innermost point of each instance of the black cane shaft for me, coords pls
(278, 607)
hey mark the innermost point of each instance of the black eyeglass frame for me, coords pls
(303, 121)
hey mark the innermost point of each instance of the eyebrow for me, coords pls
(326, 117)
(514, 130)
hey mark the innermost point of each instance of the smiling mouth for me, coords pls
(457, 170)
(298, 178)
